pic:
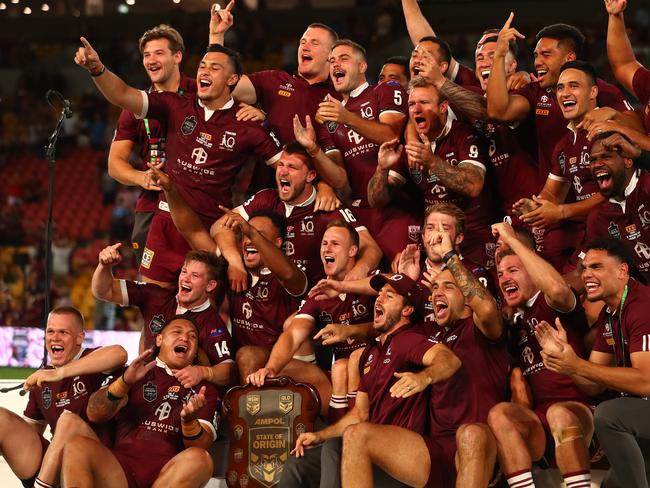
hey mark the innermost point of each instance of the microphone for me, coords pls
(67, 106)
(12, 388)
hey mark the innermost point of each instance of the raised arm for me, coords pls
(486, 313)
(368, 258)
(121, 170)
(545, 277)
(283, 268)
(381, 182)
(103, 285)
(112, 86)
(500, 104)
(619, 49)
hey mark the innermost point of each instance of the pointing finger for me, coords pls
(230, 5)
(509, 21)
(85, 42)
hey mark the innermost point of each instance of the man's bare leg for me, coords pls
(20, 444)
(303, 372)
(68, 426)
(572, 426)
(249, 359)
(89, 464)
(519, 434)
(476, 454)
(191, 468)
(407, 460)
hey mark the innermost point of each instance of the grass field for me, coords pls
(15, 373)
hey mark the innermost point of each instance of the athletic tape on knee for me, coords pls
(308, 358)
(567, 435)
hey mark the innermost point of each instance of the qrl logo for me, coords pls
(528, 355)
(78, 387)
(366, 112)
(307, 227)
(199, 155)
(359, 309)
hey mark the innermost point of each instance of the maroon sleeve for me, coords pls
(257, 202)
(641, 84)
(265, 144)
(32, 410)
(611, 96)
(637, 325)
(558, 167)
(468, 146)
(324, 138)
(529, 92)
(218, 345)
(137, 293)
(209, 413)
(391, 97)
(309, 307)
(127, 127)
(414, 346)
(261, 81)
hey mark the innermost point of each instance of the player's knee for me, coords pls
(69, 422)
(198, 460)
(356, 435)
(560, 417)
(473, 437)
(77, 448)
(498, 417)
(6, 417)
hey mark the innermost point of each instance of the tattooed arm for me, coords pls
(466, 179)
(378, 191)
(486, 314)
(381, 182)
(473, 104)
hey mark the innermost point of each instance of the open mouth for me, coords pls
(154, 69)
(180, 349)
(603, 178)
(541, 73)
(379, 312)
(420, 122)
(440, 306)
(205, 83)
(569, 103)
(57, 349)
(339, 74)
(306, 57)
(250, 253)
(485, 74)
(186, 288)
(285, 185)
(416, 70)
(510, 290)
(591, 286)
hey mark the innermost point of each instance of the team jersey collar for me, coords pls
(454, 72)
(162, 364)
(451, 116)
(631, 186)
(199, 308)
(76, 356)
(358, 90)
(288, 207)
(531, 300)
(207, 113)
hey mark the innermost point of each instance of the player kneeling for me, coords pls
(162, 428)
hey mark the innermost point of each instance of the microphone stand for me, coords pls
(50, 154)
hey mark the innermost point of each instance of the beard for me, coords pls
(390, 321)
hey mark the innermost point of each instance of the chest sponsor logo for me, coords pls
(157, 323)
(205, 139)
(632, 232)
(163, 411)
(78, 387)
(542, 111)
(147, 258)
(284, 93)
(46, 396)
(642, 250)
(188, 126)
(354, 137)
(286, 90)
(644, 215)
(247, 310)
(288, 248)
(577, 184)
(150, 392)
(528, 355)
(199, 155)
(228, 141)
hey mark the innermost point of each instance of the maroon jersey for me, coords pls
(515, 170)
(570, 164)
(403, 350)
(282, 96)
(622, 334)
(547, 386)
(464, 76)
(360, 154)
(46, 403)
(459, 144)
(305, 228)
(160, 304)
(206, 149)
(467, 397)
(345, 309)
(149, 137)
(550, 124)
(641, 86)
(628, 220)
(258, 313)
(396, 226)
(148, 428)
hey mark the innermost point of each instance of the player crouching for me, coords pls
(162, 428)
